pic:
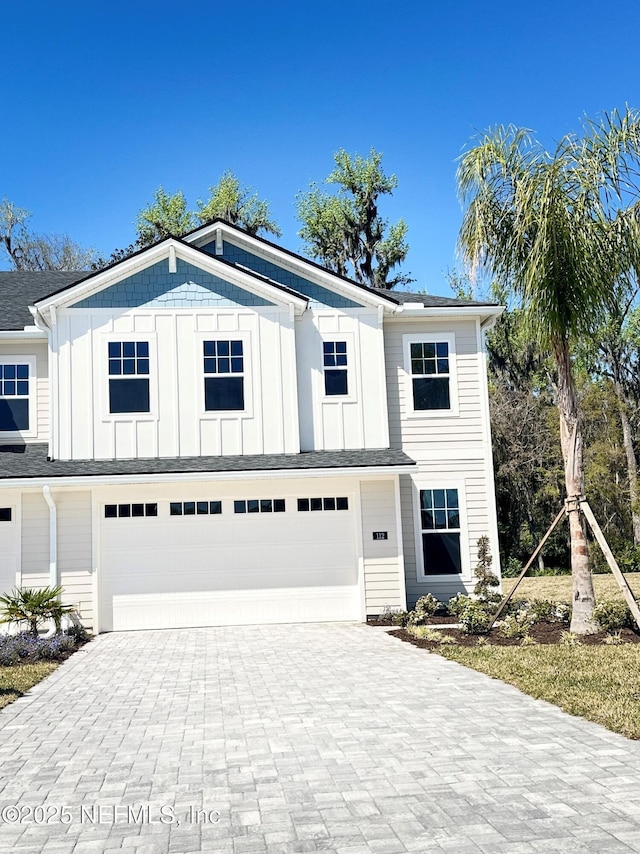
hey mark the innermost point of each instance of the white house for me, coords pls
(216, 431)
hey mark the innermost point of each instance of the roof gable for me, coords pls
(157, 287)
(319, 295)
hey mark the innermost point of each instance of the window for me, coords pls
(14, 397)
(313, 504)
(5, 514)
(126, 511)
(260, 505)
(440, 526)
(128, 376)
(335, 367)
(430, 375)
(195, 508)
(224, 375)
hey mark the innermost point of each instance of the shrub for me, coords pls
(527, 640)
(543, 610)
(33, 606)
(569, 639)
(512, 567)
(486, 589)
(614, 639)
(27, 646)
(426, 606)
(425, 633)
(458, 603)
(517, 625)
(475, 619)
(612, 615)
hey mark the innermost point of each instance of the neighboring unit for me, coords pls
(216, 431)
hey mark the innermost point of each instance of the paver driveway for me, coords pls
(300, 739)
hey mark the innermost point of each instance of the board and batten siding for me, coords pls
(336, 422)
(383, 581)
(39, 351)
(177, 424)
(451, 450)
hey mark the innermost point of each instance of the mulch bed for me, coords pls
(544, 633)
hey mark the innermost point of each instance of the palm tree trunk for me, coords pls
(632, 465)
(572, 453)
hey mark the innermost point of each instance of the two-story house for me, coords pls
(217, 431)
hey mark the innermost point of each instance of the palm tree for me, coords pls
(557, 229)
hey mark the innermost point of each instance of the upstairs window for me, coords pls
(223, 375)
(430, 375)
(440, 524)
(335, 368)
(14, 397)
(128, 376)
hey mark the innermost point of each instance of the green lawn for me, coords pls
(558, 587)
(600, 683)
(16, 681)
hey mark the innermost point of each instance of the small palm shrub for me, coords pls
(612, 615)
(426, 606)
(33, 606)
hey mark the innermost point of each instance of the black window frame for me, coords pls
(440, 531)
(431, 374)
(335, 362)
(134, 510)
(16, 390)
(329, 503)
(129, 368)
(224, 362)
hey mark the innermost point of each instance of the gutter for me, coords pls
(53, 537)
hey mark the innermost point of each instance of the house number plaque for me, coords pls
(380, 535)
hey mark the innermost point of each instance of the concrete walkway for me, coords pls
(282, 739)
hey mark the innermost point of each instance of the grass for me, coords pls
(558, 587)
(16, 681)
(600, 683)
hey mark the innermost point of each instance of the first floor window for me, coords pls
(440, 525)
(129, 376)
(14, 397)
(5, 514)
(430, 375)
(223, 375)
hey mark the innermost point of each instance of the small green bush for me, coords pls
(475, 619)
(399, 618)
(458, 603)
(517, 625)
(569, 639)
(512, 567)
(612, 615)
(544, 610)
(487, 583)
(426, 606)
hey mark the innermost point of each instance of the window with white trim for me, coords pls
(430, 375)
(223, 375)
(336, 381)
(5, 514)
(15, 387)
(440, 531)
(128, 376)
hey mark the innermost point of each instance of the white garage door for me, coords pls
(171, 571)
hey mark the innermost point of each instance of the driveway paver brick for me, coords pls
(305, 738)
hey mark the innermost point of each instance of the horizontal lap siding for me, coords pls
(75, 552)
(35, 540)
(446, 449)
(383, 585)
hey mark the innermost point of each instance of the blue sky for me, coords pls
(105, 102)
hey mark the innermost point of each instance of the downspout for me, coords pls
(53, 537)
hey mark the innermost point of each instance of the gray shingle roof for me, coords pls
(19, 290)
(30, 461)
(431, 301)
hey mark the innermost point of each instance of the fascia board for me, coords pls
(199, 477)
(321, 277)
(140, 262)
(469, 311)
(29, 333)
